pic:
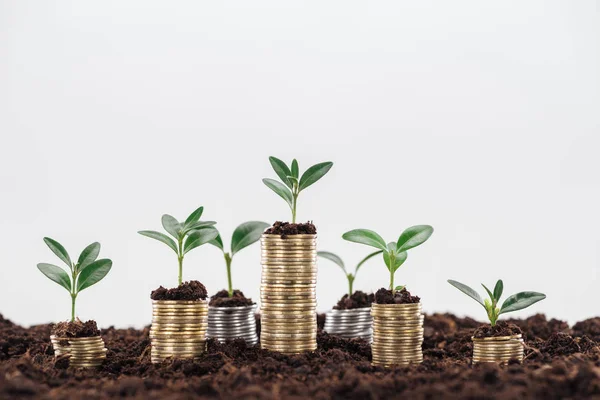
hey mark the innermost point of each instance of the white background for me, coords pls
(479, 118)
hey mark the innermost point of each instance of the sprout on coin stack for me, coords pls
(499, 341)
(230, 313)
(397, 315)
(351, 317)
(76, 341)
(179, 315)
(289, 267)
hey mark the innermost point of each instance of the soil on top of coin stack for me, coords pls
(285, 229)
(502, 328)
(75, 329)
(385, 296)
(357, 300)
(192, 290)
(222, 299)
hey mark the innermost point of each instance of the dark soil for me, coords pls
(502, 328)
(222, 299)
(192, 290)
(286, 229)
(75, 329)
(562, 365)
(385, 296)
(357, 300)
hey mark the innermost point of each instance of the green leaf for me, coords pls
(488, 292)
(93, 273)
(365, 236)
(160, 237)
(194, 217)
(399, 260)
(332, 257)
(520, 301)
(59, 250)
(217, 242)
(314, 173)
(365, 260)
(293, 181)
(467, 290)
(246, 234)
(198, 238)
(295, 169)
(281, 170)
(498, 289)
(88, 255)
(399, 288)
(55, 274)
(280, 189)
(171, 225)
(413, 236)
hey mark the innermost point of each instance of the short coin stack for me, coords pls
(228, 323)
(288, 293)
(397, 334)
(84, 352)
(178, 329)
(498, 349)
(349, 324)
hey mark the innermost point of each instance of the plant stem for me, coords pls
(228, 259)
(73, 297)
(392, 263)
(180, 259)
(294, 201)
(350, 283)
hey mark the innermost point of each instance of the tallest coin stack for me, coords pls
(288, 293)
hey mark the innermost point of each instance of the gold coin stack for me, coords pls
(397, 334)
(288, 293)
(499, 349)
(84, 352)
(178, 329)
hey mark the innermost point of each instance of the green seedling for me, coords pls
(291, 184)
(515, 302)
(350, 276)
(394, 253)
(84, 273)
(188, 235)
(243, 236)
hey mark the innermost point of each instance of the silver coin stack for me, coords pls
(84, 352)
(288, 293)
(228, 323)
(350, 324)
(178, 329)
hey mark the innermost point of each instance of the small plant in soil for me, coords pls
(187, 235)
(394, 253)
(349, 275)
(243, 236)
(87, 271)
(291, 182)
(515, 302)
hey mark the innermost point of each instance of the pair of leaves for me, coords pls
(338, 260)
(87, 272)
(243, 236)
(394, 253)
(197, 232)
(515, 302)
(291, 183)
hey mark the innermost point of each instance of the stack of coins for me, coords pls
(178, 329)
(350, 324)
(397, 334)
(499, 349)
(228, 323)
(288, 293)
(84, 352)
